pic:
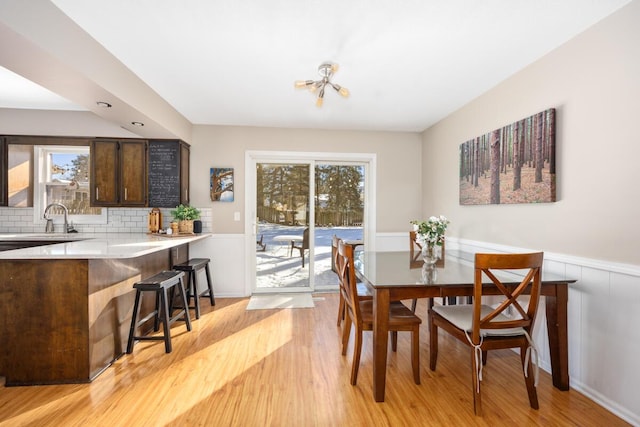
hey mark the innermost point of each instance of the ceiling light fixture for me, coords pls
(139, 124)
(103, 104)
(326, 70)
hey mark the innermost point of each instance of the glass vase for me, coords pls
(429, 255)
(429, 274)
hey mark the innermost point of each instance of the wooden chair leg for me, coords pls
(212, 298)
(134, 320)
(433, 344)
(340, 310)
(394, 340)
(185, 304)
(529, 379)
(475, 383)
(346, 331)
(156, 321)
(357, 349)
(415, 354)
(164, 301)
(191, 289)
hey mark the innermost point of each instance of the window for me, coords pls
(62, 176)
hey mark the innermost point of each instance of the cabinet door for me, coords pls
(184, 173)
(104, 173)
(133, 173)
(4, 172)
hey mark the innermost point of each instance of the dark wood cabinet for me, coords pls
(133, 173)
(4, 172)
(105, 166)
(123, 172)
(118, 173)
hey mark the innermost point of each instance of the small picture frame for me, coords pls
(221, 184)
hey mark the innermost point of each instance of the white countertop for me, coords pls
(93, 245)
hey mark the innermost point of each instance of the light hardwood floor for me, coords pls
(284, 368)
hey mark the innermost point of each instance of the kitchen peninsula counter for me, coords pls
(65, 308)
(93, 245)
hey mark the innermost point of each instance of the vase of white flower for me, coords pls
(429, 234)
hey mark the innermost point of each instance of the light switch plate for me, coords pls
(236, 216)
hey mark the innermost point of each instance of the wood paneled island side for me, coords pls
(65, 309)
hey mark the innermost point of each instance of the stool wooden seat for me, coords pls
(160, 284)
(191, 268)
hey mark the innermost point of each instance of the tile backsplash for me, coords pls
(119, 220)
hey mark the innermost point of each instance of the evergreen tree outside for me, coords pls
(283, 191)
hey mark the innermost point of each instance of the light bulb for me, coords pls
(319, 102)
(334, 68)
(313, 88)
(341, 90)
(301, 83)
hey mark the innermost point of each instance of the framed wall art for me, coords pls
(514, 164)
(221, 186)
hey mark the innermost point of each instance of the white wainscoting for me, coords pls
(603, 313)
(227, 266)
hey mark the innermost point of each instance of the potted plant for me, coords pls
(185, 215)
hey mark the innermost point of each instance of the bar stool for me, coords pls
(191, 268)
(160, 284)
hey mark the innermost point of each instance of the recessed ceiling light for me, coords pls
(103, 104)
(140, 124)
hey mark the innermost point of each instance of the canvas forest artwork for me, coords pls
(221, 186)
(514, 164)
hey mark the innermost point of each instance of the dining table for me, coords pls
(395, 276)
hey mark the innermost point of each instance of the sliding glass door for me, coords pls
(297, 202)
(339, 210)
(283, 227)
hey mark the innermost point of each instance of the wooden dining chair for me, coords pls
(304, 245)
(360, 314)
(260, 245)
(483, 327)
(363, 291)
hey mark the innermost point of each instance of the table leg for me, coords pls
(556, 308)
(380, 342)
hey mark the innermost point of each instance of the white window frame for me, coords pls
(41, 168)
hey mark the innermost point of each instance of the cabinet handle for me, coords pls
(97, 193)
(125, 194)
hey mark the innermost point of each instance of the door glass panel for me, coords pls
(282, 242)
(339, 210)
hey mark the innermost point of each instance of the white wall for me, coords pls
(591, 232)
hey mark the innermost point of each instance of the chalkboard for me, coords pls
(164, 174)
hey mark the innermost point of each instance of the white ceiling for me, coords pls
(406, 63)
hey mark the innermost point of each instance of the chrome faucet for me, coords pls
(49, 227)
